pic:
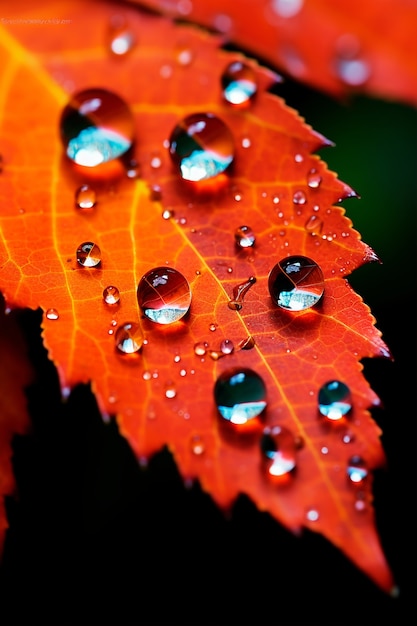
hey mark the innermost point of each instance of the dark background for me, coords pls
(95, 539)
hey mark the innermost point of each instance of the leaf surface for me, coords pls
(340, 48)
(165, 396)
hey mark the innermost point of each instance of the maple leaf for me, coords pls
(342, 49)
(147, 217)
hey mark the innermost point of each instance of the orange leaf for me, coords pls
(341, 48)
(164, 394)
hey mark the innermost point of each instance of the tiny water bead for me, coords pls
(164, 295)
(111, 295)
(85, 197)
(357, 470)
(296, 283)
(129, 338)
(121, 39)
(201, 146)
(240, 395)
(244, 237)
(96, 126)
(239, 83)
(88, 254)
(334, 400)
(278, 448)
(52, 314)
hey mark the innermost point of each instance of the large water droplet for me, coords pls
(85, 197)
(96, 126)
(227, 346)
(240, 395)
(164, 295)
(314, 225)
(357, 470)
(129, 338)
(244, 237)
(121, 38)
(201, 146)
(239, 84)
(313, 179)
(351, 66)
(296, 283)
(334, 399)
(299, 197)
(111, 295)
(88, 254)
(278, 448)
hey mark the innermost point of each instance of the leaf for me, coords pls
(341, 48)
(165, 395)
(15, 376)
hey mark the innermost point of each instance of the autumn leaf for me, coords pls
(342, 48)
(95, 244)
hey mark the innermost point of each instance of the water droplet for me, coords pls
(314, 225)
(164, 295)
(296, 283)
(170, 390)
(246, 142)
(200, 348)
(213, 328)
(167, 214)
(348, 437)
(244, 237)
(278, 449)
(222, 22)
(129, 338)
(239, 293)
(287, 8)
(351, 66)
(155, 194)
(334, 399)
(88, 254)
(357, 470)
(299, 197)
(239, 84)
(312, 515)
(96, 126)
(248, 343)
(275, 200)
(324, 450)
(85, 197)
(227, 346)
(201, 146)
(197, 445)
(313, 179)
(52, 314)
(111, 295)
(132, 169)
(240, 395)
(121, 38)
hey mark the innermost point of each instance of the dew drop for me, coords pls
(298, 158)
(213, 328)
(85, 197)
(312, 515)
(184, 56)
(351, 66)
(244, 237)
(197, 445)
(164, 295)
(334, 400)
(96, 126)
(313, 225)
(52, 314)
(132, 169)
(121, 38)
(200, 348)
(313, 179)
(170, 391)
(88, 254)
(146, 375)
(239, 293)
(201, 146)
(167, 214)
(227, 346)
(129, 338)
(287, 8)
(357, 470)
(299, 197)
(240, 395)
(111, 295)
(296, 283)
(278, 448)
(155, 194)
(238, 83)
(348, 437)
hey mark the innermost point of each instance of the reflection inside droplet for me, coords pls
(296, 283)
(240, 395)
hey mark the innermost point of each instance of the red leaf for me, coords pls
(276, 185)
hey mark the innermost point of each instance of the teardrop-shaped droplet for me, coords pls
(129, 338)
(96, 126)
(296, 283)
(313, 179)
(357, 470)
(334, 399)
(200, 348)
(239, 292)
(314, 225)
(85, 197)
(278, 447)
(352, 67)
(244, 237)
(287, 8)
(240, 395)
(201, 146)
(197, 445)
(239, 84)
(164, 295)
(121, 37)
(111, 295)
(52, 314)
(88, 254)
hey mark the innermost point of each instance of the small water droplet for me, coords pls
(312, 515)
(313, 179)
(299, 197)
(85, 197)
(287, 8)
(96, 126)
(88, 254)
(200, 348)
(296, 283)
(201, 146)
(155, 194)
(111, 295)
(278, 449)
(167, 214)
(334, 400)
(213, 328)
(239, 83)
(324, 450)
(146, 375)
(298, 158)
(246, 142)
(351, 66)
(314, 225)
(222, 22)
(170, 390)
(164, 295)
(248, 343)
(197, 445)
(357, 470)
(129, 338)
(239, 293)
(52, 314)
(121, 38)
(183, 372)
(184, 55)
(165, 71)
(177, 358)
(227, 346)
(240, 395)
(244, 237)
(348, 437)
